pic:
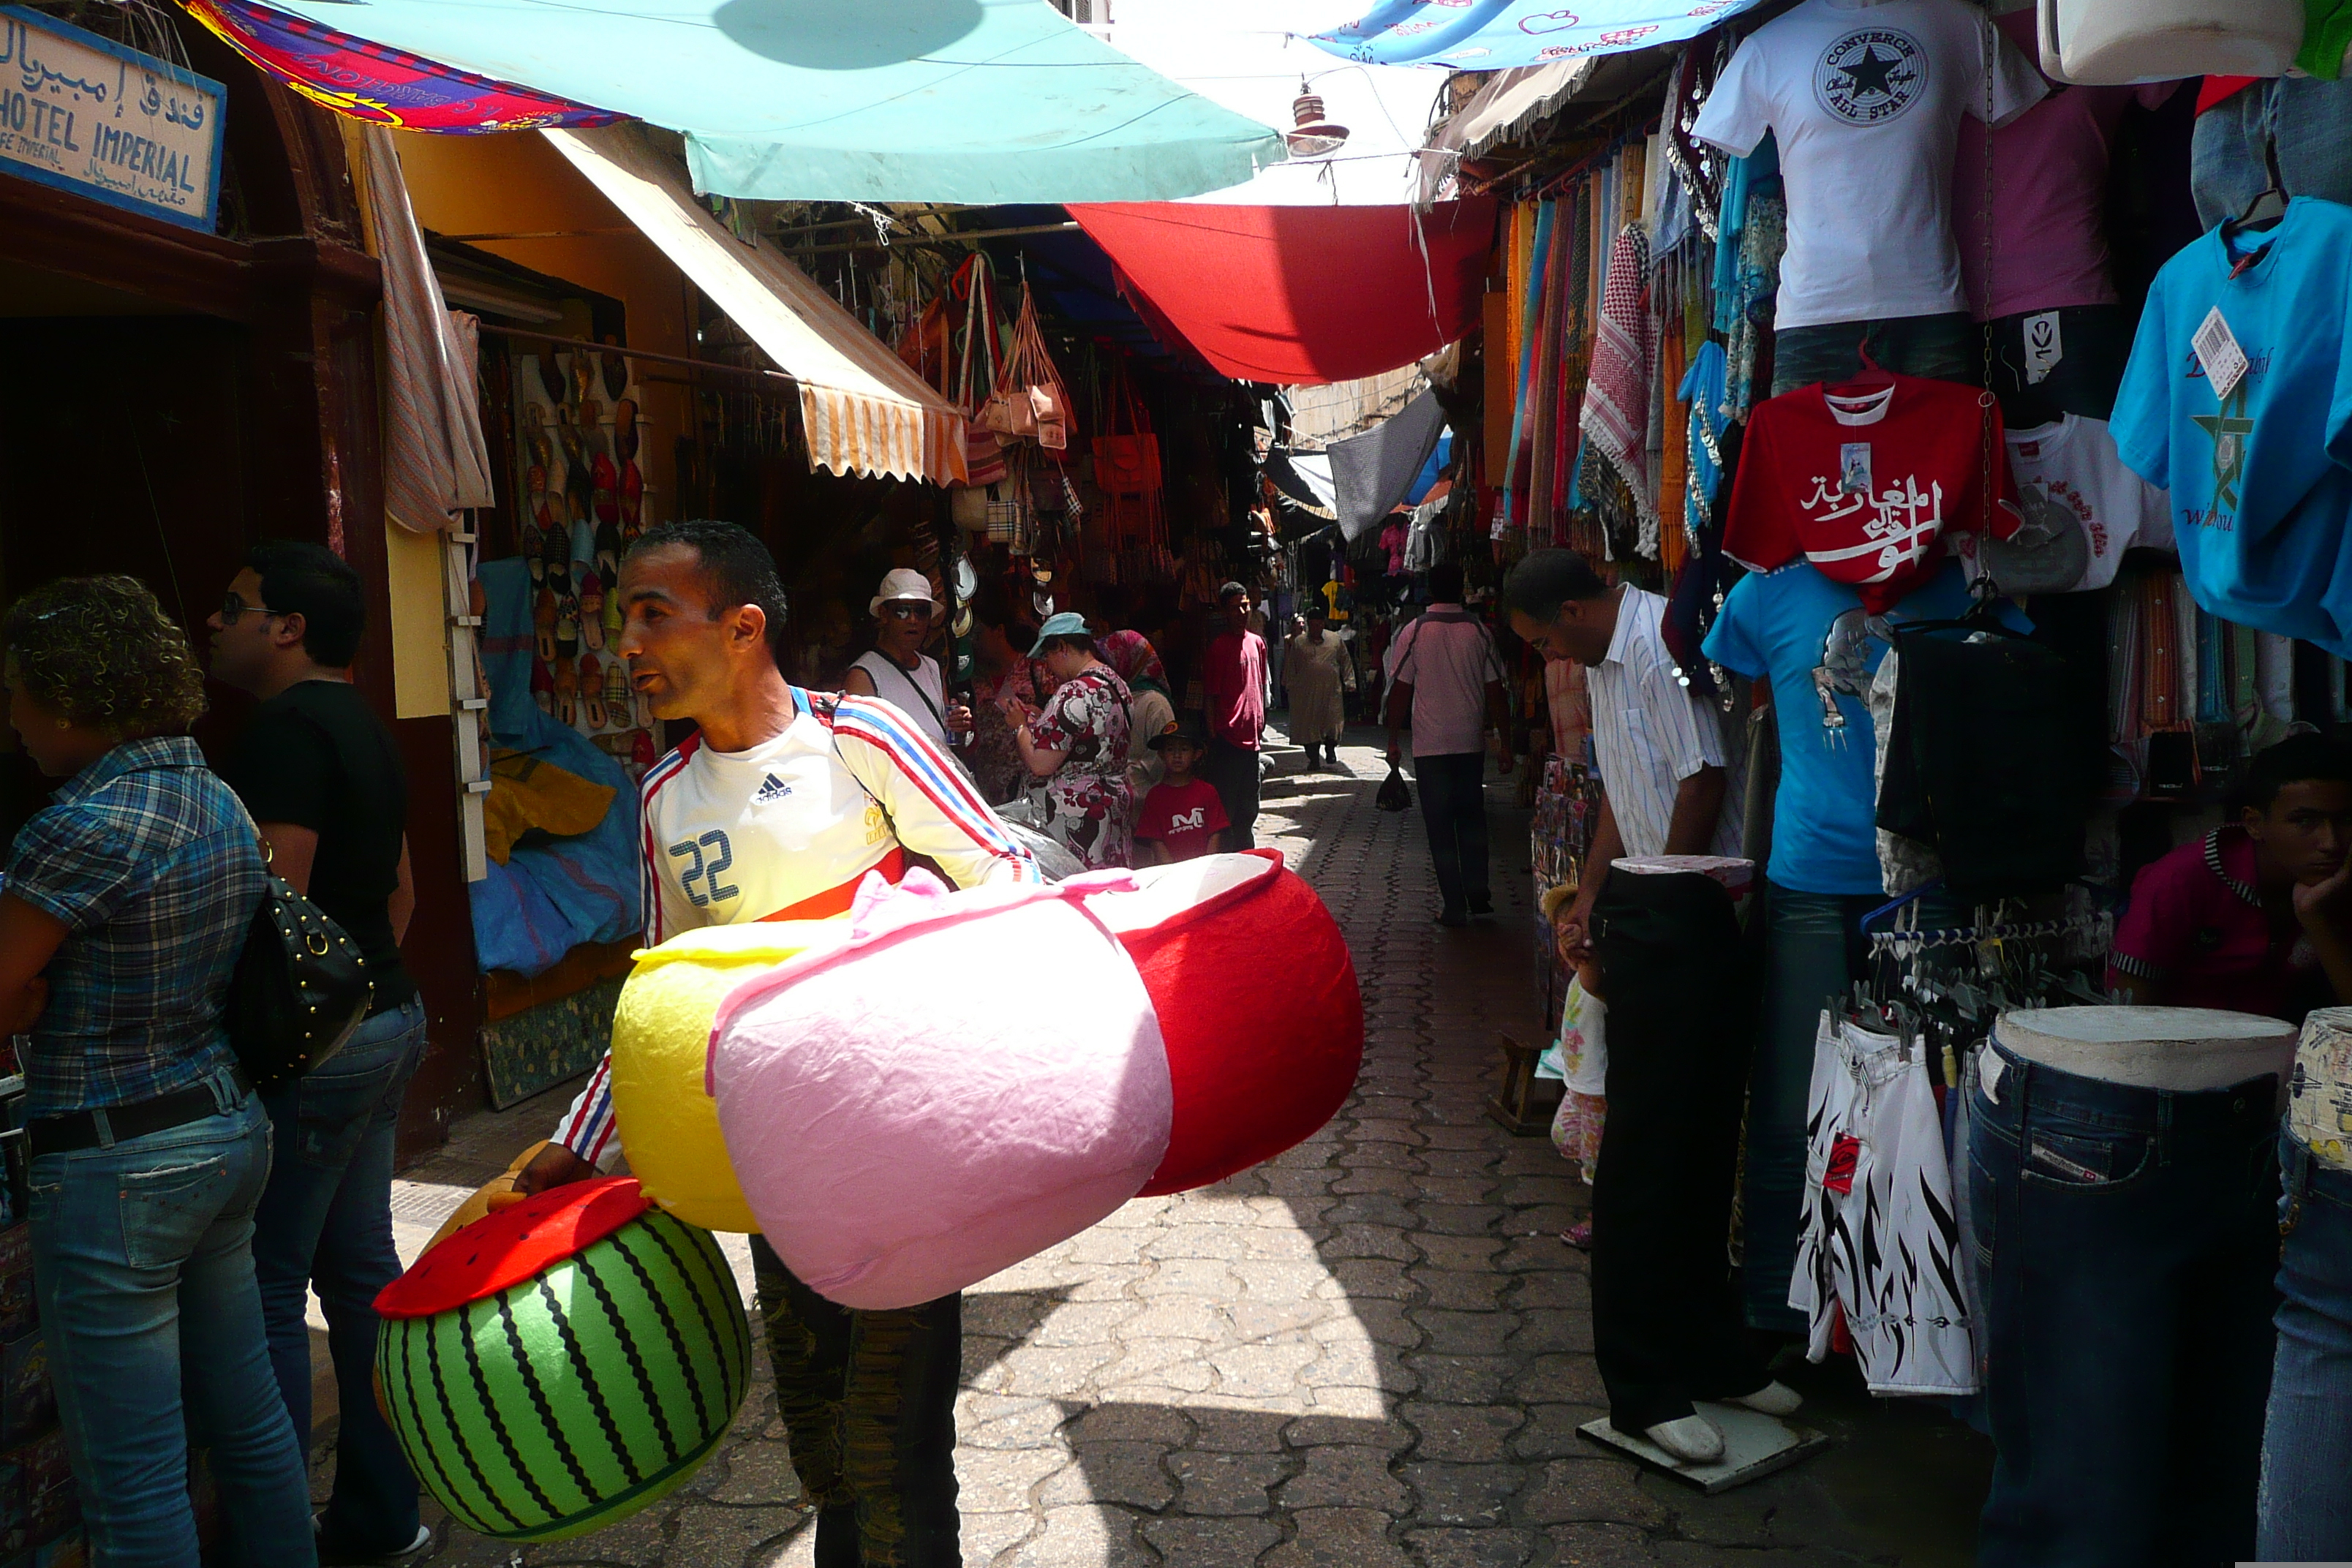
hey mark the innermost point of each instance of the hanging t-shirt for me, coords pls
(2260, 488)
(2082, 509)
(1788, 625)
(1865, 101)
(1865, 487)
(2049, 193)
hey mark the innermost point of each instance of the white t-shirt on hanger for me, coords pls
(1864, 101)
(2070, 478)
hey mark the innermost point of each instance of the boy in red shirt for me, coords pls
(1183, 816)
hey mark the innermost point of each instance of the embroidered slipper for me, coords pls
(608, 551)
(567, 629)
(592, 691)
(641, 749)
(592, 428)
(551, 376)
(543, 687)
(568, 437)
(577, 491)
(644, 707)
(616, 689)
(633, 497)
(567, 691)
(616, 370)
(624, 429)
(582, 377)
(617, 620)
(542, 620)
(604, 485)
(591, 612)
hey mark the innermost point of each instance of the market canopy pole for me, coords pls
(975, 102)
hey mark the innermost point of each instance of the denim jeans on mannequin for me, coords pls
(2127, 1240)
(143, 1263)
(1944, 348)
(2312, 121)
(2306, 1508)
(326, 1222)
(1454, 811)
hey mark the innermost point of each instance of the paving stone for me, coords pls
(1469, 1548)
(758, 1473)
(1210, 1542)
(1461, 1380)
(1601, 1546)
(1083, 1537)
(1477, 1434)
(1462, 1494)
(1603, 1490)
(1125, 1472)
(1339, 1538)
(1345, 1475)
(720, 1537)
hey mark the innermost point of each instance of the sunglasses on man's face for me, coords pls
(233, 608)
(907, 610)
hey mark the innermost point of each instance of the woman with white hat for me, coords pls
(896, 669)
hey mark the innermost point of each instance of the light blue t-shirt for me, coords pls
(2261, 489)
(1826, 813)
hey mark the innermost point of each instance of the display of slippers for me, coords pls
(617, 620)
(592, 691)
(551, 376)
(542, 621)
(615, 368)
(641, 750)
(592, 428)
(567, 692)
(543, 687)
(592, 612)
(608, 550)
(624, 429)
(633, 498)
(567, 629)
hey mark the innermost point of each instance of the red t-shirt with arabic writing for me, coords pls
(1866, 486)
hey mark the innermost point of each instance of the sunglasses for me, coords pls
(907, 610)
(233, 608)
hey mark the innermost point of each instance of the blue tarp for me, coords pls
(978, 102)
(1503, 35)
(551, 896)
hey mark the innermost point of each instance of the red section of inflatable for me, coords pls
(511, 1246)
(1258, 1059)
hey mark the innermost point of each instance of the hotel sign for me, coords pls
(88, 115)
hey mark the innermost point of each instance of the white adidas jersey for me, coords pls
(788, 829)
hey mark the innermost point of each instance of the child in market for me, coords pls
(1581, 1057)
(1182, 817)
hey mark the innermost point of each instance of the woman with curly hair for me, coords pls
(125, 905)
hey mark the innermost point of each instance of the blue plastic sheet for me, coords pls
(979, 101)
(1503, 35)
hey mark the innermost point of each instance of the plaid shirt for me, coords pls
(155, 870)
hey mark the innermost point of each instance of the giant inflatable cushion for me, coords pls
(974, 1076)
(661, 1046)
(560, 1365)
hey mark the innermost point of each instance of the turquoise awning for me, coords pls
(977, 101)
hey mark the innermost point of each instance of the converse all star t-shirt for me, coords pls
(1864, 101)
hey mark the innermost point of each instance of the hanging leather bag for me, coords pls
(300, 988)
(1127, 463)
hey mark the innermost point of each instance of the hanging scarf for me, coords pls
(1616, 416)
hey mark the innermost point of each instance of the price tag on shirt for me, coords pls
(2216, 349)
(2044, 346)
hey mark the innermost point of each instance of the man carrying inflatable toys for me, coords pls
(776, 810)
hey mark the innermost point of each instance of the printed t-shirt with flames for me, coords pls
(787, 829)
(1866, 485)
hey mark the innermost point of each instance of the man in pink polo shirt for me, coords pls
(2256, 917)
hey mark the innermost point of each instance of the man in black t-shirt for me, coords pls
(322, 777)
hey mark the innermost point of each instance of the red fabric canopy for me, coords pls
(1304, 295)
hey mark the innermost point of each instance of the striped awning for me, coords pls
(863, 411)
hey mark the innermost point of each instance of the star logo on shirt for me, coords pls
(2229, 428)
(1871, 75)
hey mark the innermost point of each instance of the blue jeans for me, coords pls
(2312, 121)
(143, 1263)
(1945, 348)
(2127, 1239)
(1453, 810)
(2305, 1512)
(326, 1220)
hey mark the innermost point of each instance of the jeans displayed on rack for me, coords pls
(1947, 347)
(143, 1264)
(868, 1400)
(1454, 811)
(1665, 1314)
(2127, 1239)
(325, 1222)
(2305, 1509)
(2309, 121)
(2092, 343)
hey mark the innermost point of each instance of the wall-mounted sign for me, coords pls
(88, 115)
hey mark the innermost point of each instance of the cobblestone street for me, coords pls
(1373, 1352)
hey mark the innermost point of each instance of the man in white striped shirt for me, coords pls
(1664, 772)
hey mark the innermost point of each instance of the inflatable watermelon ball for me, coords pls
(562, 1363)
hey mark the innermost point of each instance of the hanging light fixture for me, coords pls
(1311, 134)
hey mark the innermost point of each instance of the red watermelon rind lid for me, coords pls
(503, 1249)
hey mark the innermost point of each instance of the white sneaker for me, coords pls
(1772, 1399)
(1692, 1438)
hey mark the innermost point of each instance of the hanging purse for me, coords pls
(1394, 794)
(976, 371)
(1127, 464)
(299, 990)
(1028, 399)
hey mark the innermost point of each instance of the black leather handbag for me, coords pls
(300, 987)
